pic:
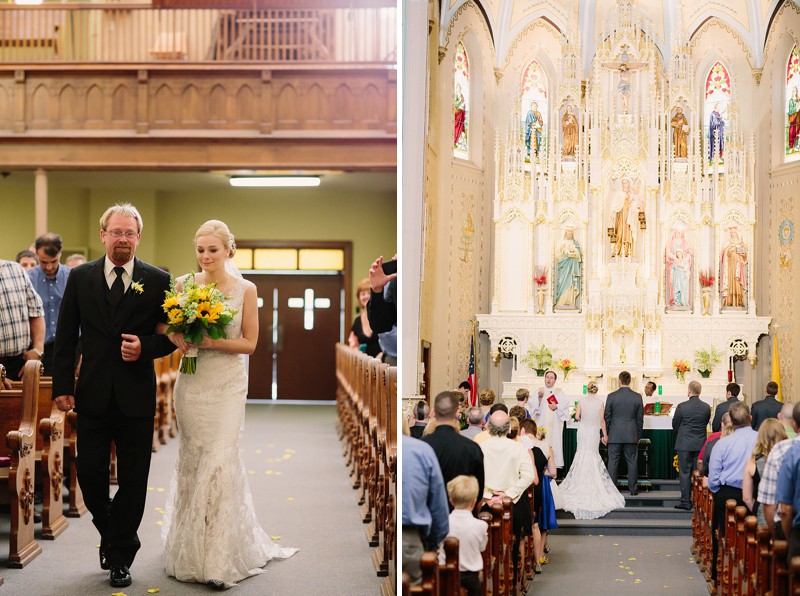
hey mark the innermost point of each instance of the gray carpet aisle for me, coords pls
(615, 565)
(302, 495)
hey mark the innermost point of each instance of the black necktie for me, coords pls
(117, 288)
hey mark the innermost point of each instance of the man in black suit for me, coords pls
(457, 455)
(114, 304)
(731, 397)
(624, 416)
(689, 422)
(769, 407)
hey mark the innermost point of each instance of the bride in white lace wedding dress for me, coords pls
(210, 527)
(588, 491)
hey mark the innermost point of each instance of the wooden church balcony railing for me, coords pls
(140, 34)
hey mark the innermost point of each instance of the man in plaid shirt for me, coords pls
(768, 486)
(21, 319)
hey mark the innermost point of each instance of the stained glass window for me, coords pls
(535, 111)
(461, 103)
(715, 112)
(792, 105)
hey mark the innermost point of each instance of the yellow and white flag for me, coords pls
(776, 365)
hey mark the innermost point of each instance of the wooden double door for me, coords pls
(300, 317)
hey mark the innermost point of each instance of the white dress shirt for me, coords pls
(127, 277)
(472, 534)
(507, 467)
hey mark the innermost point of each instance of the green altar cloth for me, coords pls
(662, 453)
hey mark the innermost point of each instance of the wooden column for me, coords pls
(19, 101)
(142, 120)
(267, 103)
(41, 201)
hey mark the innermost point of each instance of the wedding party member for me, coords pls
(115, 396)
(770, 434)
(551, 410)
(769, 407)
(210, 527)
(731, 397)
(624, 416)
(472, 533)
(49, 280)
(689, 423)
(588, 491)
(361, 333)
(726, 470)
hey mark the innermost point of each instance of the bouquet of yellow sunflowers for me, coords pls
(194, 311)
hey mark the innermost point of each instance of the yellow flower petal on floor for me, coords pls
(290, 498)
(630, 572)
(632, 559)
(269, 472)
(153, 591)
(159, 523)
(275, 537)
(119, 594)
(150, 488)
(620, 580)
(690, 578)
(161, 490)
(251, 471)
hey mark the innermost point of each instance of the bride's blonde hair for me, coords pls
(215, 227)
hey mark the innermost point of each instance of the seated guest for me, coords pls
(789, 499)
(731, 397)
(27, 259)
(767, 488)
(518, 412)
(523, 395)
(785, 416)
(483, 435)
(767, 407)
(425, 517)
(705, 452)
(770, 433)
(726, 470)
(457, 455)
(361, 335)
(421, 414)
(77, 258)
(475, 420)
(486, 401)
(472, 533)
(508, 472)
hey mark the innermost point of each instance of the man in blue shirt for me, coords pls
(425, 511)
(49, 280)
(726, 469)
(789, 498)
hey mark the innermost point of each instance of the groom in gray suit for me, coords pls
(624, 416)
(689, 422)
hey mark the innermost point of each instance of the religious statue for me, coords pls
(716, 134)
(569, 130)
(680, 130)
(624, 87)
(568, 268)
(793, 120)
(626, 207)
(733, 270)
(533, 129)
(679, 269)
(460, 115)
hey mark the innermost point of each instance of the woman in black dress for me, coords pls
(361, 335)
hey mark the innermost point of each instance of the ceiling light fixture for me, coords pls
(264, 181)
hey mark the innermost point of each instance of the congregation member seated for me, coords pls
(770, 433)
(768, 486)
(475, 423)
(472, 533)
(486, 401)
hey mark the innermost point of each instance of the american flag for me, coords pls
(472, 377)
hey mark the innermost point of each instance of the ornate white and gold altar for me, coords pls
(612, 180)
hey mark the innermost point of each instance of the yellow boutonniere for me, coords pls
(137, 287)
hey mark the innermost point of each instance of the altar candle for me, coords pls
(730, 376)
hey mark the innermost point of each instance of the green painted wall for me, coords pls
(171, 218)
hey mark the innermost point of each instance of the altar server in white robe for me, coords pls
(550, 409)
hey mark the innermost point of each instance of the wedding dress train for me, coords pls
(588, 491)
(210, 525)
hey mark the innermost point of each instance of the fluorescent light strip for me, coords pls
(263, 181)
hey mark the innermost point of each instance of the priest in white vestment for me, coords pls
(551, 414)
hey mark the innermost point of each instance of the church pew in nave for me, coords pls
(696, 514)
(76, 505)
(708, 539)
(736, 550)
(748, 562)
(377, 527)
(18, 426)
(385, 560)
(780, 571)
(370, 474)
(489, 560)
(761, 580)
(794, 576)
(429, 563)
(449, 573)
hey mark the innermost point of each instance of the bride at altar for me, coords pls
(210, 527)
(587, 491)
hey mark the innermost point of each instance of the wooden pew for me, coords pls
(18, 425)
(736, 549)
(489, 560)
(449, 573)
(77, 507)
(794, 576)
(780, 571)
(386, 549)
(747, 563)
(761, 581)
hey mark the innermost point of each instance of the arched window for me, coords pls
(535, 109)
(792, 105)
(461, 103)
(717, 101)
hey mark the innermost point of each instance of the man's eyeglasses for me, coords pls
(117, 234)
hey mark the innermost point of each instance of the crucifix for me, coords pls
(624, 66)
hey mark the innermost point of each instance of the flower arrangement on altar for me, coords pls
(706, 279)
(707, 359)
(681, 367)
(567, 366)
(540, 276)
(195, 311)
(538, 359)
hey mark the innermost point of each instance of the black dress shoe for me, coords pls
(103, 561)
(216, 584)
(120, 576)
(634, 493)
(684, 507)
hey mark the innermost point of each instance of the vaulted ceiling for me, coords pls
(585, 20)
